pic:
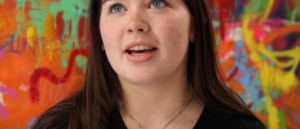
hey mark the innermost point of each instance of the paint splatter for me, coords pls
(44, 72)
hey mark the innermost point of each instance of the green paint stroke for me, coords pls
(282, 119)
(38, 16)
(250, 7)
(64, 59)
(295, 11)
(20, 5)
(264, 6)
(297, 3)
(256, 7)
(81, 62)
(287, 10)
(72, 12)
(216, 24)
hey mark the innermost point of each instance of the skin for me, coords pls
(153, 91)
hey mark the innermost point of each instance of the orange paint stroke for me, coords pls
(280, 32)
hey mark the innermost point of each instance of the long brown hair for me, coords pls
(91, 106)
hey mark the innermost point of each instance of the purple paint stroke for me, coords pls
(8, 91)
(3, 113)
(11, 93)
(31, 122)
(2, 52)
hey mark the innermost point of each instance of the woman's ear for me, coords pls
(192, 38)
(103, 49)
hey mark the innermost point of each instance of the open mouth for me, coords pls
(139, 50)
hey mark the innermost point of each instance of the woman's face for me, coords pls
(146, 41)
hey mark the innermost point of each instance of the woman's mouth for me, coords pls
(139, 50)
(140, 54)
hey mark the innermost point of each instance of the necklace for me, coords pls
(167, 123)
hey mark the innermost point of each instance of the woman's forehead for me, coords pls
(123, 0)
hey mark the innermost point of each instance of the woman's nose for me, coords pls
(137, 23)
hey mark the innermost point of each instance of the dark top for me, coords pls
(207, 120)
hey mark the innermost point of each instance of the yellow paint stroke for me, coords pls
(29, 38)
(272, 77)
(255, 57)
(268, 10)
(283, 80)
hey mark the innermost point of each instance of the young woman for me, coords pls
(152, 65)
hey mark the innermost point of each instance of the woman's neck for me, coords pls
(155, 97)
(156, 104)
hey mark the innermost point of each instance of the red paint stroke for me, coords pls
(277, 103)
(226, 6)
(12, 94)
(234, 72)
(291, 4)
(45, 72)
(280, 43)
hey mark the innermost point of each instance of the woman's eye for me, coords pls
(116, 8)
(158, 4)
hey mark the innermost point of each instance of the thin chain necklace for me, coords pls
(167, 123)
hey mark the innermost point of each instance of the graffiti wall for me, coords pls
(43, 50)
(44, 46)
(259, 50)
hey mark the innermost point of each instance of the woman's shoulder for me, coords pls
(56, 117)
(212, 120)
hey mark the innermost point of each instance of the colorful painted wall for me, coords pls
(44, 45)
(259, 50)
(43, 50)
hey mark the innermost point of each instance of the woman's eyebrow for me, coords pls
(103, 1)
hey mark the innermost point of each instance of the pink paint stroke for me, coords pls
(12, 94)
(3, 112)
(2, 52)
(8, 91)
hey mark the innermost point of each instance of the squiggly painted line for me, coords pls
(45, 72)
(12, 94)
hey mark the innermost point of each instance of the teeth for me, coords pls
(142, 48)
(139, 48)
(136, 48)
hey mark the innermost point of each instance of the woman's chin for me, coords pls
(140, 80)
